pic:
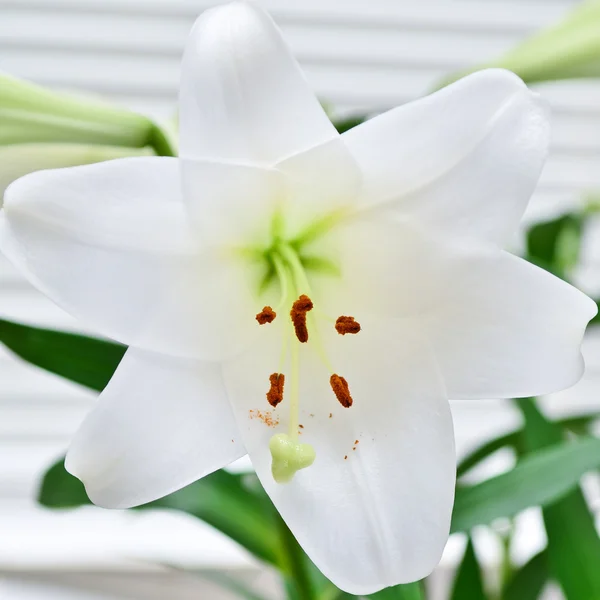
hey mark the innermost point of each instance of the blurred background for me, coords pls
(362, 57)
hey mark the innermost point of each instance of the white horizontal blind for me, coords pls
(358, 55)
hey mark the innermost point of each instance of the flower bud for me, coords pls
(31, 114)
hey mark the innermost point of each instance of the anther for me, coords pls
(340, 388)
(275, 393)
(345, 325)
(266, 315)
(298, 315)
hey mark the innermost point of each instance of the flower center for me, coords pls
(287, 453)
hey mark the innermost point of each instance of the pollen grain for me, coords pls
(340, 388)
(265, 416)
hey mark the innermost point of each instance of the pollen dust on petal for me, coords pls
(298, 314)
(275, 393)
(344, 325)
(266, 416)
(266, 315)
(341, 390)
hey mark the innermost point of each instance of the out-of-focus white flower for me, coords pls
(374, 262)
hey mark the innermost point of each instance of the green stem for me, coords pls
(295, 563)
(160, 143)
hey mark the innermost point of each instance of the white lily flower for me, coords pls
(398, 223)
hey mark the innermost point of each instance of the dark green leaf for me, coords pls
(579, 424)
(408, 591)
(596, 319)
(468, 582)
(538, 479)
(220, 499)
(528, 582)
(343, 125)
(573, 542)
(554, 245)
(85, 360)
(485, 450)
(59, 489)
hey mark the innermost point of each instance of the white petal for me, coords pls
(232, 203)
(323, 181)
(465, 159)
(110, 244)
(505, 328)
(243, 96)
(236, 204)
(19, 159)
(380, 516)
(160, 424)
(499, 326)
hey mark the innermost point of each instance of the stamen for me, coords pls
(266, 315)
(275, 393)
(298, 315)
(340, 388)
(345, 325)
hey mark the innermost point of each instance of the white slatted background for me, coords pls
(360, 56)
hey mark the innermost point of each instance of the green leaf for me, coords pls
(408, 591)
(343, 125)
(85, 360)
(59, 489)
(482, 452)
(579, 424)
(538, 479)
(573, 543)
(468, 582)
(555, 245)
(528, 582)
(220, 499)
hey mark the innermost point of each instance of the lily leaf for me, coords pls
(579, 424)
(220, 499)
(528, 582)
(539, 479)
(85, 360)
(573, 543)
(343, 125)
(468, 582)
(555, 245)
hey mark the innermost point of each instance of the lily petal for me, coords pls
(364, 511)
(243, 96)
(160, 424)
(110, 244)
(505, 328)
(499, 326)
(465, 159)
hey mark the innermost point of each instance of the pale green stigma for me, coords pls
(289, 457)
